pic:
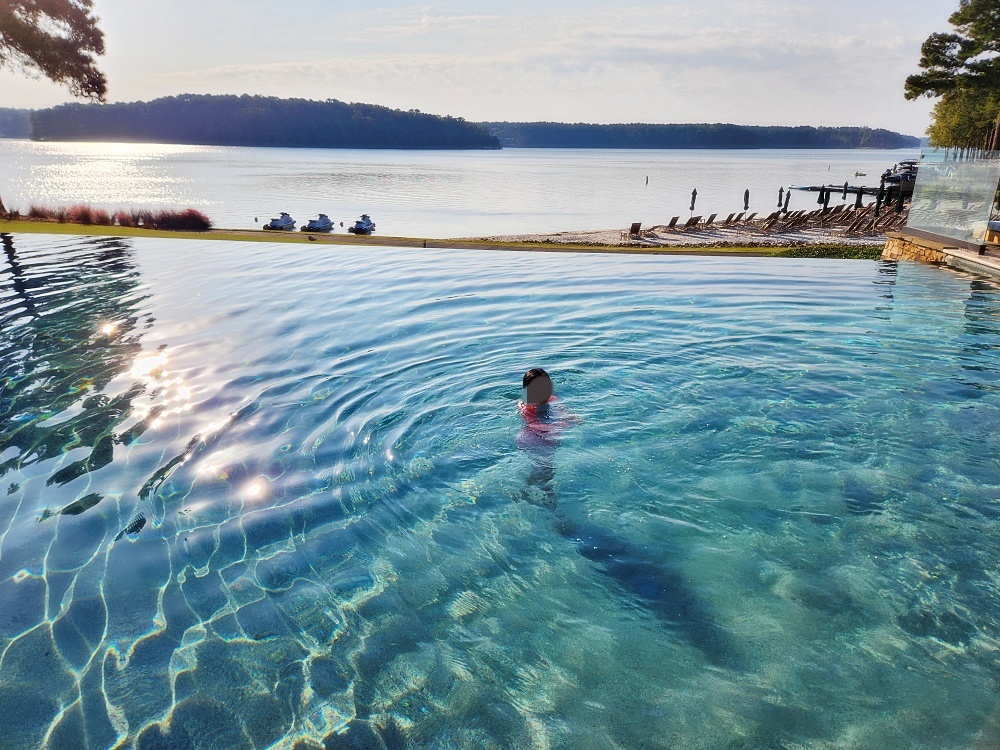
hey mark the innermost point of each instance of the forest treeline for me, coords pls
(638, 135)
(257, 121)
(15, 123)
(268, 121)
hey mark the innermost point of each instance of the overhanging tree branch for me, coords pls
(58, 39)
(963, 69)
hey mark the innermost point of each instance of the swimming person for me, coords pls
(659, 584)
(537, 387)
(543, 421)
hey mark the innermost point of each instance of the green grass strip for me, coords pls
(250, 235)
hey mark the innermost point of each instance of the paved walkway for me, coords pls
(987, 264)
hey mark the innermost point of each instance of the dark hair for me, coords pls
(534, 372)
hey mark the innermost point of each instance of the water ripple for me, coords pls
(253, 495)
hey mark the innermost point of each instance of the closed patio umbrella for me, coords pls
(819, 198)
(788, 195)
(899, 201)
(781, 192)
(857, 201)
(694, 197)
(844, 196)
(746, 199)
(826, 198)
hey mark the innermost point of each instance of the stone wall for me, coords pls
(900, 247)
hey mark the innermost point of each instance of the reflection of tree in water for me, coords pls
(71, 325)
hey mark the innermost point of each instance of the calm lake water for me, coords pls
(425, 193)
(253, 494)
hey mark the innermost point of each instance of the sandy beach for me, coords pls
(712, 236)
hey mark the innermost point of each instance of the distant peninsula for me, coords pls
(269, 121)
(257, 121)
(709, 136)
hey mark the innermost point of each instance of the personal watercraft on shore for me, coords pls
(364, 225)
(284, 222)
(321, 224)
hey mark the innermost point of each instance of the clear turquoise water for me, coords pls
(768, 520)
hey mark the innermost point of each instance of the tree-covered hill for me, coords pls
(639, 135)
(15, 123)
(268, 121)
(257, 121)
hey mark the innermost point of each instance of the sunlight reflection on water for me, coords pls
(421, 193)
(771, 521)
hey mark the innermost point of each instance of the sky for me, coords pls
(750, 62)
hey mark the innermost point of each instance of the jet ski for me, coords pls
(364, 225)
(284, 222)
(321, 224)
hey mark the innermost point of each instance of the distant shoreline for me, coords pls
(473, 150)
(224, 120)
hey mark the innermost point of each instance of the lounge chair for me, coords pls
(831, 218)
(861, 219)
(633, 231)
(729, 220)
(709, 220)
(795, 219)
(692, 222)
(673, 223)
(847, 216)
(802, 219)
(770, 221)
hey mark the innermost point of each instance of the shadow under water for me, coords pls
(658, 585)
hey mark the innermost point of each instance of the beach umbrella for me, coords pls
(788, 194)
(844, 196)
(694, 197)
(746, 199)
(857, 202)
(781, 192)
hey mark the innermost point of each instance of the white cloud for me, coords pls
(762, 61)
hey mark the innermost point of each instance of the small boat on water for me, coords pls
(364, 225)
(284, 222)
(321, 224)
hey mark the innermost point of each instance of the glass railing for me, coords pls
(955, 194)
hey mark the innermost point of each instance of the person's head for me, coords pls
(537, 386)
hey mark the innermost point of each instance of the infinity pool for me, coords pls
(263, 496)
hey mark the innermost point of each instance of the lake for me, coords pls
(442, 194)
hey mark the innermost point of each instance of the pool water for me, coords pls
(265, 496)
